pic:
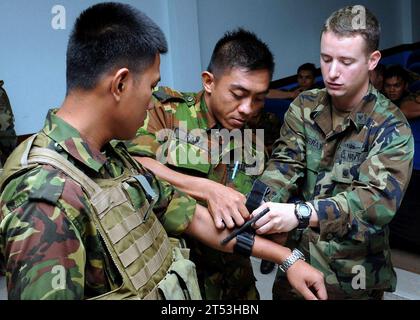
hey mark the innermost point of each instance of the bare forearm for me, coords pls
(279, 94)
(411, 109)
(193, 186)
(203, 229)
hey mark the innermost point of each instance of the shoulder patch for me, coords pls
(164, 94)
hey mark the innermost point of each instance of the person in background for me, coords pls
(306, 74)
(376, 77)
(8, 138)
(396, 80)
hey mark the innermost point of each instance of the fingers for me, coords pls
(243, 211)
(259, 209)
(320, 289)
(229, 222)
(218, 222)
(306, 293)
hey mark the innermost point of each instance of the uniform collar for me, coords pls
(358, 116)
(69, 139)
(209, 122)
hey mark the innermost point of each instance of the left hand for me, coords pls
(280, 218)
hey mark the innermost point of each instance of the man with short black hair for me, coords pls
(181, 125)
(396, 80)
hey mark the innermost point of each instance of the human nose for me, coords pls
(246, 107)
(333, 71)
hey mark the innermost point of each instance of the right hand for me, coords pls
(307, 280)
(226, 205)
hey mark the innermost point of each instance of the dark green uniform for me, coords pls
(181, 132)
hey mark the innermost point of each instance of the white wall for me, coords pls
(292, 27)
(32, 53)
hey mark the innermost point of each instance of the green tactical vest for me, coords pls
(152, 265)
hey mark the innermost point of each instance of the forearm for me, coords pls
(279, 94)
(203, 229)
(411, 109)
(193, 186)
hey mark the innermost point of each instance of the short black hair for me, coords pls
(308, 67)
(241, 49)
(107, 36)
(398, 71)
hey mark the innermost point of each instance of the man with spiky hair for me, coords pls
(235, 84)
(347, 152)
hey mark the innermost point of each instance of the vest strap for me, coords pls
(47, 156)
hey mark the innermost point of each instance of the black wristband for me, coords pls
(244, 243)
(256, 196)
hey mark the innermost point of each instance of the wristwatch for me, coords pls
(295, 256)
(303, 213)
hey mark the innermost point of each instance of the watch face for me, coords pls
(304, 210)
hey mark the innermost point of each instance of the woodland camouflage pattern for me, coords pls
(7, 126)
(45, 220)
(221, 275)
(355, 176)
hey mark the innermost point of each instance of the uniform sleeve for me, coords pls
(370, 203)
(174, 208)
(41, 250)
(286, 166)
(152, 135)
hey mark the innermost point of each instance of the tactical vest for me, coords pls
(152, 265)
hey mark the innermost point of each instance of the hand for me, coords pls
(226, 205)
(307, 280)
(279, 238)
(280, 218)
(295, 93)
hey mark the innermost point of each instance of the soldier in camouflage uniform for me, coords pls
(347, 151)
(7, 126)
(234, 89)
(79, 216)
(51, 243)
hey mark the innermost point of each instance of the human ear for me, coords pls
(119, 83)
(374, 59)
(208, 81)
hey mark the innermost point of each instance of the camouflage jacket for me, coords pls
(8, 137)
(182, 133)
(355, 175)
(45, 218)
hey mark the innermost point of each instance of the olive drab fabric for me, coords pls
(181, 133)
(8, 137)
(102, 229)
(355, 176)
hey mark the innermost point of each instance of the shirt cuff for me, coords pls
(333, 222)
